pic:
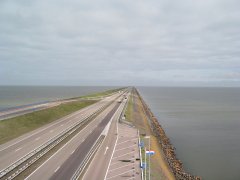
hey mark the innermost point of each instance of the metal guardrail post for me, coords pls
(140, 154)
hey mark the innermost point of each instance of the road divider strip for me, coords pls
(85, 162)
(23, 163)
(88, 157)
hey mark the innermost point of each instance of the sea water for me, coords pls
(11, 96)
(204, 126)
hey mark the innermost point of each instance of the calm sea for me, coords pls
(204, 126)
(11, 96)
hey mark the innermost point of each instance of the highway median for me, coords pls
(17, 126)
(14, 127)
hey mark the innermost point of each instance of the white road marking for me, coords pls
(126, 147)
(37, 138)
(51, 131)
(60, 150)
(62, 119)
(127, 141)
(17, 149)
(106, 150)
(62, 125)
(57, 169)
(130, 178)
(121, 161)
(112, 154)
(120, 174)
(121, 167)
(101, 146)
(123, 155)
(72, 151)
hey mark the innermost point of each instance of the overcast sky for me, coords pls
(120, 42)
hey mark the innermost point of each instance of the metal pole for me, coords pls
(149, 157)
(145, 165)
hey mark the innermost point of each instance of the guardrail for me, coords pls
(88, 157)
(26, 161)
(140, 154)
(94, 148)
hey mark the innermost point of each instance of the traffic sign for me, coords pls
(150, 152)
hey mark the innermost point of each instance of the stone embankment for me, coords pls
(167, 148)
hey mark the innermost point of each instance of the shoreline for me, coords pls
(167, 149)
(20, 110)
(137, 117)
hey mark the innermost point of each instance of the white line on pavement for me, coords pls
(127, 141)
(123, 155)
(57, 169)
(122, 167)
(17, 149)
(102, 144)
(57, 122)
(106, 150)
(126, 148)
(60, 149)
(112, 154)
(120, 174)
(121, 161)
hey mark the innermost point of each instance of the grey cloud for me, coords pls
(125, 42)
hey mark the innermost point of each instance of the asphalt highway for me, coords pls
(63, 164)
(70, 166)
(102, 158)
(17, 148)
(101, 161)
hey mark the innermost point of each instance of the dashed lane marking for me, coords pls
(57, 169)
(17, 149)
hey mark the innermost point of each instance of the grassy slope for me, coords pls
(14, 127)
(103, 93)
(129, 109)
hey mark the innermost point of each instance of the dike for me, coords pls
(168, 149)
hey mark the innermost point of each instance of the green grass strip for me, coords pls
(129, 109)
(17, 126)
(14, 127)
(105, 93)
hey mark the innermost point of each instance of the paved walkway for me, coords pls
(125, 163)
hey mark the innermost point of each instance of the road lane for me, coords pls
(103, 155)
(70, 166)
(101, 161)
(8, 153)
(70, 149)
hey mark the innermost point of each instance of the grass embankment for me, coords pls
(101, 94)
(159, 167)
(17, 126)
(14, 127)
(129, 110)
